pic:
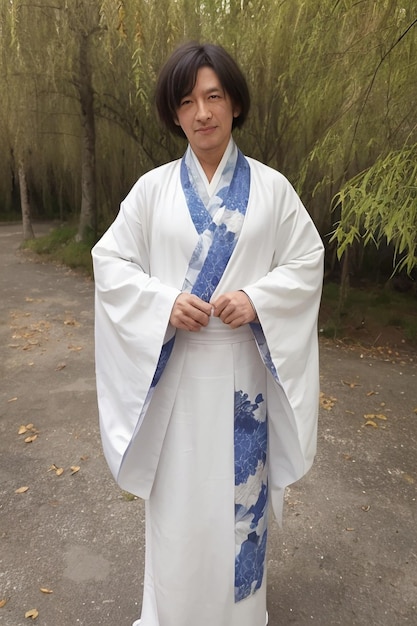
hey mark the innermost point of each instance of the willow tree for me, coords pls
(332, 89)
(379, 206)
(20, 108)
(57, 53)
(76, 33)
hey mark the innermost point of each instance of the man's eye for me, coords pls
(185, 102)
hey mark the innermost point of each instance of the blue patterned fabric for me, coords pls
(263, 349)
(251, 493)
(218, 220)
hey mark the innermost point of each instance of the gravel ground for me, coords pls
(72, 543)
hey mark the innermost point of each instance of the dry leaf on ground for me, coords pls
(378, 416)
(71, 322)
(351, 385)
(33, 613)
(3, 602)
(31, 438)
(22, 490)
(326, 402)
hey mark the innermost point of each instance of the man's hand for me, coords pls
(190, 312)
(234, 308)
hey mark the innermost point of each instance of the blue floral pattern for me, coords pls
(218, 220)
(251, 493)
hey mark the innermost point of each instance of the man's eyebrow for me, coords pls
(213, 89)
(207, 91)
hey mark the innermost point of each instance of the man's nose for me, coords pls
(203, 110)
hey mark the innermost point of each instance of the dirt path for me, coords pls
(347, 553)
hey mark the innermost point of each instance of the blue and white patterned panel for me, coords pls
(251, 493)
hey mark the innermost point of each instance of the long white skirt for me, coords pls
(193, 536)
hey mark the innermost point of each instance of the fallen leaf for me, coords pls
(130, 497)
(75, 348)
(327, 402)
(31, 438)
(408, 479)
(45, 590)
(60, 367)
(371, 423)
(54, 468)
(75, 469)
(33, 613)
(71, 322)
(14, 400)
(349, 529)
(22, 490)
(365, 508)
(351, 385)
(371, 393)
(378, 416)
(2, 603)
(29, 426)
(22, 430)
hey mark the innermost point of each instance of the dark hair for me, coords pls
(179, 74)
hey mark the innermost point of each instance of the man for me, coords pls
(208, 286)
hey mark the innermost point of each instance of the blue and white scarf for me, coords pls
(218, 221)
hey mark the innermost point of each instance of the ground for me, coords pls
(72, 543)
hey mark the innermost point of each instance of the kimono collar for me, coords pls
(211, 186)
(230, 186)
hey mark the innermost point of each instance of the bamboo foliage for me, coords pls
(333, 98)
(379, 205)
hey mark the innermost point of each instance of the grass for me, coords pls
(369, 314)
(60, 246)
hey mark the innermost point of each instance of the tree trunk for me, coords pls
(25, 204)
(344, 281)
(88, 215)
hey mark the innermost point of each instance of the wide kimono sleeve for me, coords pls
(132, 311)
(287, 298)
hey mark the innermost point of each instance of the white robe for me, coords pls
(140, 264)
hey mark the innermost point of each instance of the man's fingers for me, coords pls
(234, 308)
(190, 312)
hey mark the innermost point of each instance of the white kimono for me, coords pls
(194, 444)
